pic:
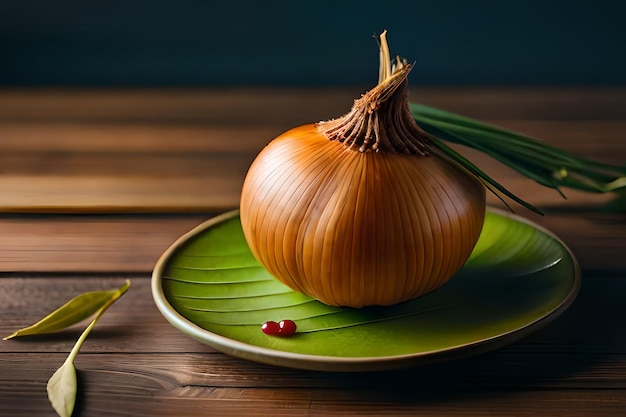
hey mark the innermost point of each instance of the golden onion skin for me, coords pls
(357, 211)
(357, 229)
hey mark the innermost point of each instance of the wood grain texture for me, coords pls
(96, 184)
(189, 150)
(258, 106)
(74, 243)
(133, 243)
(135, 363)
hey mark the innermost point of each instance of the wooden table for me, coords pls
(95, 185)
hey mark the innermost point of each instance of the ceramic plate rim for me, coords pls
(281, 358)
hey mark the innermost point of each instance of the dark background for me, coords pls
(310, 43)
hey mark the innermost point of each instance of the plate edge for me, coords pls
(259, 354)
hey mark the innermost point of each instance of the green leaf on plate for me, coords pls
(515, 275)
(74, 311)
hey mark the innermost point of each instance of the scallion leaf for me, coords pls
(545, 164)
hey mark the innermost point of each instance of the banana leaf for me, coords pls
(515, 275)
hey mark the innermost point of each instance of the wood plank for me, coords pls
(192, 166)
(63, 139)
(126, 244)
(259, 106)
(135, 362)
(175, 371)
(99, 158)
(472, 403)
(583, 136)
(102, 151)
(236, 106)
(98, 399)
(101, 162)
(71, 194)
(188, 180)
(101, 243)
(200, 185)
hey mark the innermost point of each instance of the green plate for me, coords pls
(519, 278)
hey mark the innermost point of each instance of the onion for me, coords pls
(359, 210)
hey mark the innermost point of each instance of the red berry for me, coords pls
(271, 327)
(287, 327)
(284, 328)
